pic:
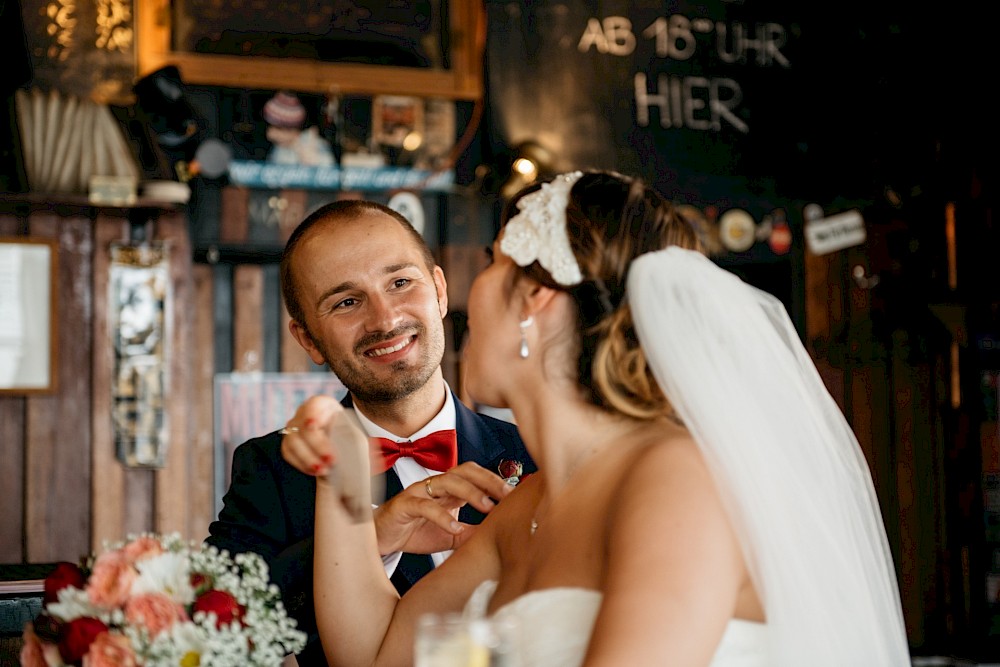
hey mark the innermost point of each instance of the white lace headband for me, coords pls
(538, 231)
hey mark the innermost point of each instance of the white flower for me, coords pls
(168, 573)
(183, 644)
(73, 603)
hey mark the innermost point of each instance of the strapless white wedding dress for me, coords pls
(554, 627)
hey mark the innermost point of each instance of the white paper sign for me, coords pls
(24, 315)
(835, 232)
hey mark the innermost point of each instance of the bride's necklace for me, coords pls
(579, 463)
(576, 465)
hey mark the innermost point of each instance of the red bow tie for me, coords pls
(436, 451)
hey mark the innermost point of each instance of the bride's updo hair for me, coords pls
(612, 219)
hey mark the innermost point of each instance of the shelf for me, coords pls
(255, 174)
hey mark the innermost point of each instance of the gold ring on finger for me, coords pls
(289, 429)
(430, 489)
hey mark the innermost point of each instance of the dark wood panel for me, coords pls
(173, 494)
(107, 490)
(248, 335)
(872, 422)
(12, 456)
(235, 225)
(202, 450)
(138, 489)
(58, 426)
(920, 497)
(293, 359)
(461, 263)
(295, 208)
(8, 225)
(12, 478)
(823, 296)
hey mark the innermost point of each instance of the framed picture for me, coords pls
(28, 325)
(431, 48)
(395, 118)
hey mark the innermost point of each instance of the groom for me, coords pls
(366, 298)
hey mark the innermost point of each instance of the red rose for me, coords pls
(77, 636)
(222, 604)
(65, 574)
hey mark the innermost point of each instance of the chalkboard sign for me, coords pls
(419, 47)
(744, 99)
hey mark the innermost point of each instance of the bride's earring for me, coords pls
(525, 323)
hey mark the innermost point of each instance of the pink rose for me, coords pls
(65, 574)
(154, 611)
(222, 604)
(110, 650)
(111, 580)
(77, 636)
(142, 547)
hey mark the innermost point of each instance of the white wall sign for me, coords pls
(27, 327)
(836, 232)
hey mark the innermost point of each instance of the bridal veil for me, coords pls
(789, 468)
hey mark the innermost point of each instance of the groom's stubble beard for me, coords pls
(406, 377)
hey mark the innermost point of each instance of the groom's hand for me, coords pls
(423, 518)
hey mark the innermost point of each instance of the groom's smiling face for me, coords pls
(373, 309)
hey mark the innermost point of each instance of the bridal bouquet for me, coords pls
(156, 601)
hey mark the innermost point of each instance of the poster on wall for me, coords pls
(250, 405)
(139, 305)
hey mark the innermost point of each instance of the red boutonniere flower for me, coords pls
(510, 470)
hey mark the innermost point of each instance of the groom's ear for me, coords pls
(302, 336)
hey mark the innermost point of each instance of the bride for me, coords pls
(700, 501)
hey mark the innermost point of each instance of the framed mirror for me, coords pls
(427, 48)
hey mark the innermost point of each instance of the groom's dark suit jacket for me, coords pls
(270, 506)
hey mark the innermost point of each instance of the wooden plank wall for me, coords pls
(12, 455)
(892, 398)
(65, 491)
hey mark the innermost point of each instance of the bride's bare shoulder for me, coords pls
(667, 453)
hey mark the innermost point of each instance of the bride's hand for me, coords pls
(325, 440)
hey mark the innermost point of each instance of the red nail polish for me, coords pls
(310, 422)
(327, 458)
(315, 468)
